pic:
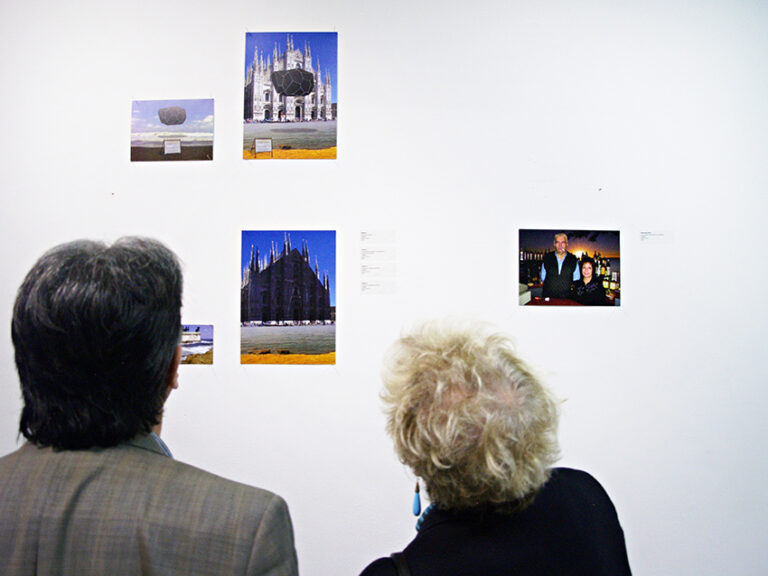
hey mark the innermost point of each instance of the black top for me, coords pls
(570, 529)
(557, 284)
(592, 294)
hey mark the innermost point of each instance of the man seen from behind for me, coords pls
(96, 331)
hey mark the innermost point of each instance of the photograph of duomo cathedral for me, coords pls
(290, 104)
(288, 297)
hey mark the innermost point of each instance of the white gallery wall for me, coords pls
(459, 124)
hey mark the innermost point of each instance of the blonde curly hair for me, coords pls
(468, 417)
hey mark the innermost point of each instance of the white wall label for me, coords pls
(657, 237)
(378, 262)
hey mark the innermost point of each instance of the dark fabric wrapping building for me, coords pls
(284, 289)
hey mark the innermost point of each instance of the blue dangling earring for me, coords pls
(416, 501)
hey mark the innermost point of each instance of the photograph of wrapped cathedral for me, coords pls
(287, 300)
(290, 95)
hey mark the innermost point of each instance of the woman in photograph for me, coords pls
(480, 431)
(588, 290)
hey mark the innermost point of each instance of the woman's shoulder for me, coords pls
(380, 567)
(574, 477)
(574, 486)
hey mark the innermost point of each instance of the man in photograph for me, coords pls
(96, 331)
(559, 269)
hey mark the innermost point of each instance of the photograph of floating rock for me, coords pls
(290, 95)
(168, 130)
(197, 344)
(288, 297)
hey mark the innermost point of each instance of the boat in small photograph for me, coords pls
(191, 337)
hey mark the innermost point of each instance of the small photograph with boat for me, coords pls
(560, 267)
(288, 297)
(170, 130)
(290, 95)
(197, 344)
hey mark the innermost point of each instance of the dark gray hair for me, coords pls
(95, 328)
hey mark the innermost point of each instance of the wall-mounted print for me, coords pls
(288, 297)
(163, 130)
(197, 344)
(570, 268)
(290, 95)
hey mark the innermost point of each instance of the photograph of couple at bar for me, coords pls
(562, 267)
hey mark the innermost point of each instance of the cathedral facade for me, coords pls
(264, 104)
(284, 288)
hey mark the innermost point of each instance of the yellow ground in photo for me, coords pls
(206, 358)
(328, 358)
(297, 154)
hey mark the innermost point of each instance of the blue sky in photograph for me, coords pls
(322, 245)
(144, 116)
(323, 45)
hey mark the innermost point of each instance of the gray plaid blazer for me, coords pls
(133, 510)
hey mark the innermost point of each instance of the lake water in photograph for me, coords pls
(319, 339)
(301, 135)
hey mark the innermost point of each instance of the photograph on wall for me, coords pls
(562, 267)
(167, 130)
(197, 344)
(288, 297)
(290, 95)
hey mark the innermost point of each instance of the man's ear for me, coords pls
(172, 380)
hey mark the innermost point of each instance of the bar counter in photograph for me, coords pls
(538, 301)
